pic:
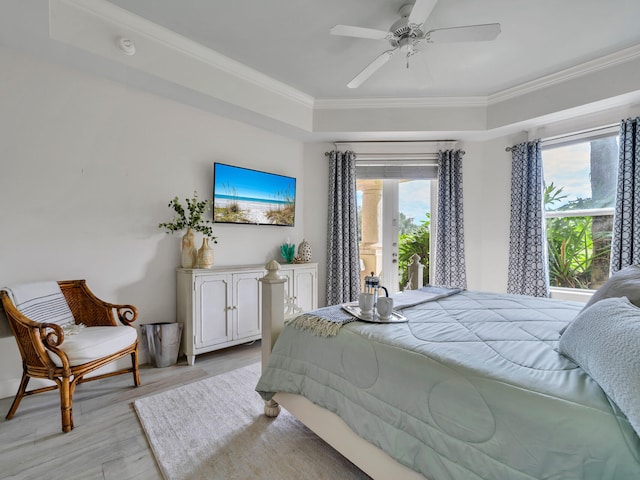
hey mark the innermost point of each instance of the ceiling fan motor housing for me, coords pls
(403, 34)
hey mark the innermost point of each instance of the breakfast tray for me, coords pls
(354, 310)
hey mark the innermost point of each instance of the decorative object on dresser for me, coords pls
(205, 254)
(189, 251)
(304, 252)
(288, 250)
(221, 307)
(191, 219)
(65, 332)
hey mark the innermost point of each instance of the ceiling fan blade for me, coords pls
(371, 69)
(470, 33)
(421, 11)
(360, 32)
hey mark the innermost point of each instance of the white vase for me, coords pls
(189, 251)
(205, 254)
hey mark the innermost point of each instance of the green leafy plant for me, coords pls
(570, 247)
(570, 242)
(417, 241)
(190, 217)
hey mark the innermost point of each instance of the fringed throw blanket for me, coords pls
(324, 322)
(327, 321)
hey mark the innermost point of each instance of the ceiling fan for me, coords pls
(406, 35)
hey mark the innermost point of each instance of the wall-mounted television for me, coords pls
(243, 195)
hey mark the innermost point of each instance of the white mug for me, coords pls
(365, 302)
(384, 306)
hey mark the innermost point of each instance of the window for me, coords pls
(396, 191)
(579, 195)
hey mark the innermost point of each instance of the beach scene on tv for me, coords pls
(241, 195)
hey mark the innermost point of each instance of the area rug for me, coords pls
(216, 429)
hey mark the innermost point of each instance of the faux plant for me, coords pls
(190, 217)
(287, 250)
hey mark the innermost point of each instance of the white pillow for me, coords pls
(604, 340)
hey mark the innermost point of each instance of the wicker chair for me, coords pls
(38, 341)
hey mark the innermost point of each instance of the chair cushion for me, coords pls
(92, 343)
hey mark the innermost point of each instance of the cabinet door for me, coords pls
(247, 304)
(212, 317)
(305, 288)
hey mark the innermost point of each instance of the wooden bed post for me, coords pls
(272, 320)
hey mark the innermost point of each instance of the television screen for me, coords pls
(242, 195)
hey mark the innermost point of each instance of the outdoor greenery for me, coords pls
(579, 247)
(570, 243)
(415, 239)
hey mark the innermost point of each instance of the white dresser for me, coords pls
(222, 306)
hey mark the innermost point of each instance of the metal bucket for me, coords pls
(163, 342)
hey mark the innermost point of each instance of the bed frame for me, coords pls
(324, 423)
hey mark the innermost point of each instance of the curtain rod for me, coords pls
(326, 154)
(589, 131)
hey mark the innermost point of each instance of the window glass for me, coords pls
(410, 223)
(579, 196)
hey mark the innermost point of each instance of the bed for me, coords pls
(472, 386)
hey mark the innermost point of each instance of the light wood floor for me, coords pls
(107, 441)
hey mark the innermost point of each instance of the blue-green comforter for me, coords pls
(472, 387)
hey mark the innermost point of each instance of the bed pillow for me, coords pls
(623, 283)
(604, 340)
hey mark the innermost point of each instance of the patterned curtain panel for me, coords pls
(343, 265)
(625, 243)
(449, 255)
(528, 266)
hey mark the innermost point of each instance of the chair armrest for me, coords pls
(127, 314)
(35, 338)
(52, 336)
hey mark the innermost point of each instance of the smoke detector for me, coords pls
(126, 46)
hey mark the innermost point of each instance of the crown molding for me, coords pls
(602, 63)
(121, 18)
(407, 102)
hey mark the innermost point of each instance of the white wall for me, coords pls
(316, 173)
(487, 199)
(88, 168)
